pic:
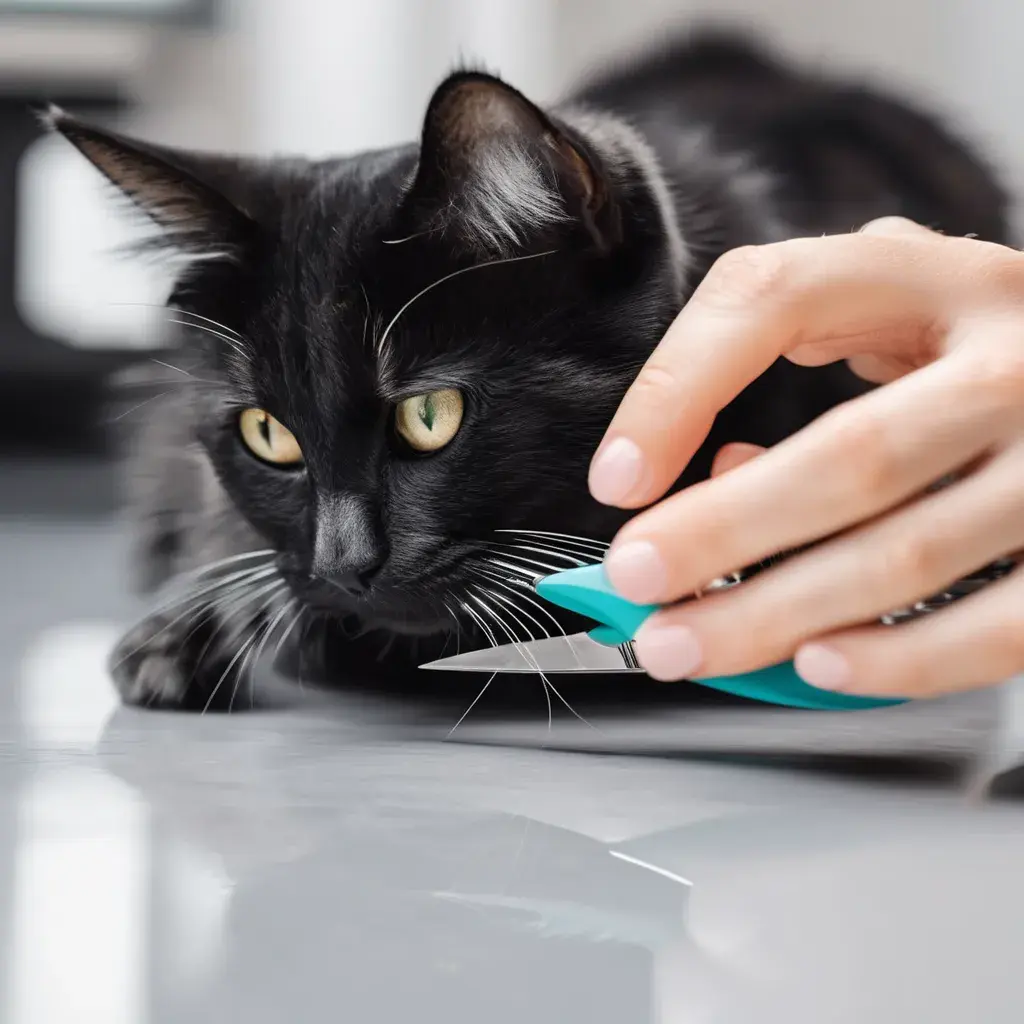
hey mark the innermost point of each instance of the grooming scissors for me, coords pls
(608, 647)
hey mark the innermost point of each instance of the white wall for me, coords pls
(959, 57)
(332, 76)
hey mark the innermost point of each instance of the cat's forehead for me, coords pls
(346, 287)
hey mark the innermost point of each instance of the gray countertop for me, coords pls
(334, 858)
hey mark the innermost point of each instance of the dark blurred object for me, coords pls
(183, 12)
(51, 394)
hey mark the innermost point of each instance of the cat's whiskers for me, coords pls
(170, 366)
(289, 630)
(400, 241)
(236, 581)
(544, 679)
(366, 316)
(225, 615)
(245, 647)
(183, 312)
(503, 626)
(503, 559)
(494, 643)
(589, 551)
(458, 627)
(231, 664)
(476, 700)
(523, 591)
(218, 607)
(168, 382)
(204, 586)
(268, 632)
(380, 345)
(235, 345)
(517, 589)
(136, 408)
(538, 551)
(583, 541)
(209, 567)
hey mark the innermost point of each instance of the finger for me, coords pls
(876, 369)
(732, 456)
(891, 563)
(855, 462)
(895, 226)
(758, 303)
(976, 642)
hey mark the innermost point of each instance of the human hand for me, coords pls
(940, 322)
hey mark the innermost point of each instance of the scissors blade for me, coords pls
(576, 653)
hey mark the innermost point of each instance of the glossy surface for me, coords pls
(333, 859)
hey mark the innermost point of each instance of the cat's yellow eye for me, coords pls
(269, 439)
(428, 422)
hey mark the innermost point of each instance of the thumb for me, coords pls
(730, 456)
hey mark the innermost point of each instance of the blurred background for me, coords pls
(143, 858)
(329, 76)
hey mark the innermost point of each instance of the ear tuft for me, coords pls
(160, 182)
(496, 170)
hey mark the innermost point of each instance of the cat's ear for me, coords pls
(501, 174)
(181, 192)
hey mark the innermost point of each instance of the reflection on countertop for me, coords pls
(333, 859)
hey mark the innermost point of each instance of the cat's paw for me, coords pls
(147, 666)
(162, 663)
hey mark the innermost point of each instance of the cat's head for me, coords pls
(413, 350)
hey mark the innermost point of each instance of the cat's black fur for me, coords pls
(573, 237)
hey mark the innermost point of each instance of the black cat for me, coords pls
(402, 361)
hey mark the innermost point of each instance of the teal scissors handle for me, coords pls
(588, 592)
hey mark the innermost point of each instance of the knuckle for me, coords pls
(917, 563)
(1003, 270)
(656, 380)
(744, 275)
(865, 451)
(998, 374)
(720, 539)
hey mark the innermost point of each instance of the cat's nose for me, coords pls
(352, 579)
(349, 548)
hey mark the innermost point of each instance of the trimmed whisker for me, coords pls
(583, 541)
(523, 570)
(524, 651)
(547, 682)
(519, 590)
(538, 551)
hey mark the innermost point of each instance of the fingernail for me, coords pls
(668, 652)
(822, 667)
(616, 471)
(636, 571)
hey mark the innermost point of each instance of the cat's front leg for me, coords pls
(199, 661)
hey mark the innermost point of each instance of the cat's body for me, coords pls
(528, 261)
